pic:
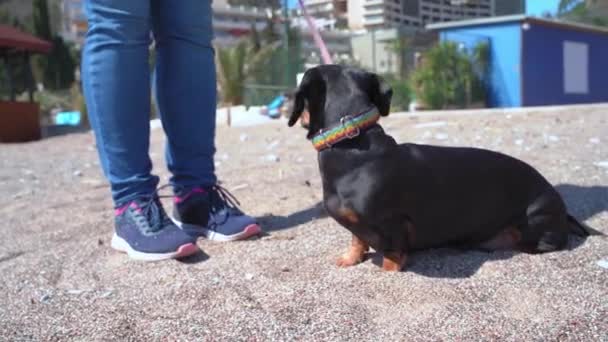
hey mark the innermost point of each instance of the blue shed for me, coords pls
(536, 61)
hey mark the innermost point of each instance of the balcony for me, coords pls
(373, 3)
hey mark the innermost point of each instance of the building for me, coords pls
(338, 44)
(333, 11)
(73, 23)
(375, 14)
(509, 7)
(433, 11)
(229, 22)
(536, 61)
(376, 50)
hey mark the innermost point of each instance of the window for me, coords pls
(576, 68)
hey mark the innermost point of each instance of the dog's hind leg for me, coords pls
(355, 254)
(509, 238)
(546, 226)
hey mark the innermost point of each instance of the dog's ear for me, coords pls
(381, 94)
(303, 94)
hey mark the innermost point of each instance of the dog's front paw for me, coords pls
(348, 260)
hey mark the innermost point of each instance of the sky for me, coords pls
(538, 7)
(292, 3)
(534, 7)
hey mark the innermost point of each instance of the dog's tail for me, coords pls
(581, 229)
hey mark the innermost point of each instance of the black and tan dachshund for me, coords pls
(399, 198)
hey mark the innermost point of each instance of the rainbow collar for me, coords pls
(349, 127)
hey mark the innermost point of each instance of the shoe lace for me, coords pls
(222, 200)
(154, 217)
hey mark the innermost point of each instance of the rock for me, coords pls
(601, 164)
(299, 160)
(22, 194)
(94, 183)
(441, 136)
(45, 298)
(272, 158)
(244, 137)
(240, 187)
(272, 145)
(603, 263)
(519, 142)
(594, 140)
(249, 276)
(77, 173)
(106, 294)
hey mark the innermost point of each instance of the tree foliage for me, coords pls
(449, 76)
(579, 11)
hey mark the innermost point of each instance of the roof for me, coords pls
(517, 18)
(12, 38)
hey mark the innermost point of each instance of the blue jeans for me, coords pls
(116, 79)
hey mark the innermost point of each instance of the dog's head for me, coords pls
(331, 92)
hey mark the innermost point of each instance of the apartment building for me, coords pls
(73, 24)
(332, 10)
(375, 14)
(229, 22)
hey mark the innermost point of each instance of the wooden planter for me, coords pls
(19, 122)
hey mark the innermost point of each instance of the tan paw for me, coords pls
(347, 260)
(393, 262)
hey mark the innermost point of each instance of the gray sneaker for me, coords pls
(144, 231)
(212, 212)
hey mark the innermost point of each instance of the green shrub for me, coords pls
(402, 94)
(450, 77)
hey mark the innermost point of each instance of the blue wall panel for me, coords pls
(543, 65)
(505, 48)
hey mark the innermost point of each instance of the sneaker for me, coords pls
(145, 232)
(213, 213)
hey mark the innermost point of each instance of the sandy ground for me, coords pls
(59, 279)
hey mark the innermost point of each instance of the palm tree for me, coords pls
(237, 64)
(579, 11)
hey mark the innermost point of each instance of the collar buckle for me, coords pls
(346, 122)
